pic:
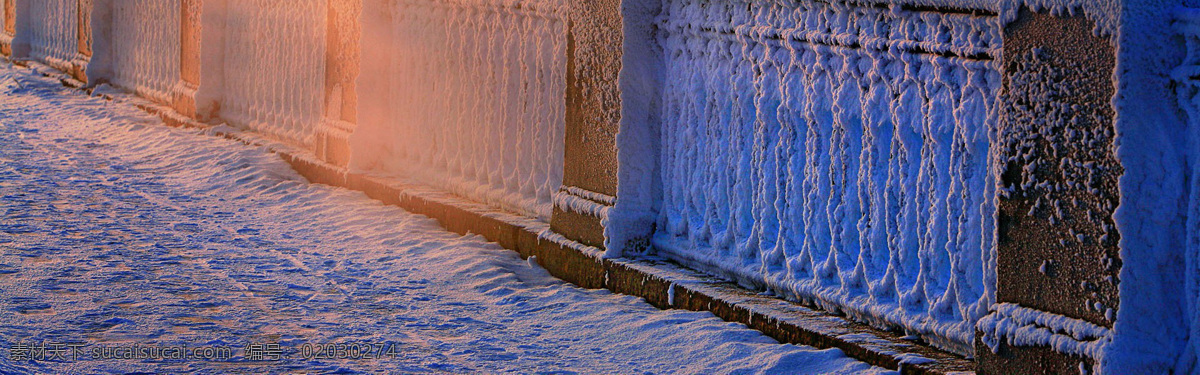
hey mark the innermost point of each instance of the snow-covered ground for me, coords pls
(118, 231)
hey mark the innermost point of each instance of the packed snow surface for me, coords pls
(467, 96)
(835, 153)
(117, 230)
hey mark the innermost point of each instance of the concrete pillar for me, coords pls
(1091, 152)
(190, 16)
(594, 57)
(100, 68)
(208, 34)
(19, 46)
(8, 26)
(343, 33)
(83, 14)
(1057, 242)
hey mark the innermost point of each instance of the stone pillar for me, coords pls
(1091, 224)
(78, 68)
(207, 32)
(190, 16)
(1057, 242)
(8, 26)
(19, 47)
(341, 71)
(613, 83)
(594, 44)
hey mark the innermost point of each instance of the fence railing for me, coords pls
(55, 32)
(844, 163)
(143, 48)
(275, 66)
(842, 153)
(466, 96)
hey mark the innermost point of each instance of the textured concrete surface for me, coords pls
(1055, 259)
(1057, 246)
(593, 96)
(594, 45)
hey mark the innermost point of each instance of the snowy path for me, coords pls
(119, 231)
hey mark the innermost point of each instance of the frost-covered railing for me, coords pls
(466, 95)
(146, 36)
(274, 66)
(55, 32)
(835, 153)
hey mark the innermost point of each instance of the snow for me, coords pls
(119, 230)
(855, 178)
(584, 206)
(1021, 326)
(631, 223)
(274, 67)
(137, 46)
(1156, 145)
(466, 96)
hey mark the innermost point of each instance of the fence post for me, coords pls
(206, 30)
(8, 26)
(190, 15)
(341, 70)
(83, 30)
(594, 41)
(1057, 243)
(1091, 217)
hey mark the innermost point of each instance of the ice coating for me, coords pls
(803, 212)
(274, 67)
(145, 47)
(1020, 326)
(466, 96)
(1189, 100)
(50, 28)
(837, 154)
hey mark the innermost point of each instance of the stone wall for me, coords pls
(978, 175)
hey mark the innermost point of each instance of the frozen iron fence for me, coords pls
(55, 32)
(146, 36)
(137, 46)
(274, 67)
(466, 95)
(835, 153)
